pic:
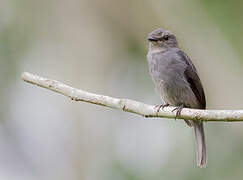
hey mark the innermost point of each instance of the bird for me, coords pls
(177, 82)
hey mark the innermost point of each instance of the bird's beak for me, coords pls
(151, 38)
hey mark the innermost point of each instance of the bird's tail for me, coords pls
(200, 143)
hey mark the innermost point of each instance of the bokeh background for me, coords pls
(100, 46)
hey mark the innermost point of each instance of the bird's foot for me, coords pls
(161, 106)
(178, 111)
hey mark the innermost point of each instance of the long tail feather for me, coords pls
(200, 143)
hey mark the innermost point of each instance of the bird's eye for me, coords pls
(166, 37)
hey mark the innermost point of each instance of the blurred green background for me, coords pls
(100, 46)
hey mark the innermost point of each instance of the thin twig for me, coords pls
(130, 105)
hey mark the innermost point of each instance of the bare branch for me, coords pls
(130, 105)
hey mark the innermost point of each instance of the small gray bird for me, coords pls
(177, 82)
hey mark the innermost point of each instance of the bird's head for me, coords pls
(161, 39)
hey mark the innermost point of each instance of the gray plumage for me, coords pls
(176, 80)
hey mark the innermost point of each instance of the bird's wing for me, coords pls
(193, 79)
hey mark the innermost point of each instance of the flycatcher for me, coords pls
(177, 81)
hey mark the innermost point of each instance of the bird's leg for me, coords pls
(178, 110)
(161, 106)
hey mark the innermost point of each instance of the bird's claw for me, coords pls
(161, 106)
(178, 111)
